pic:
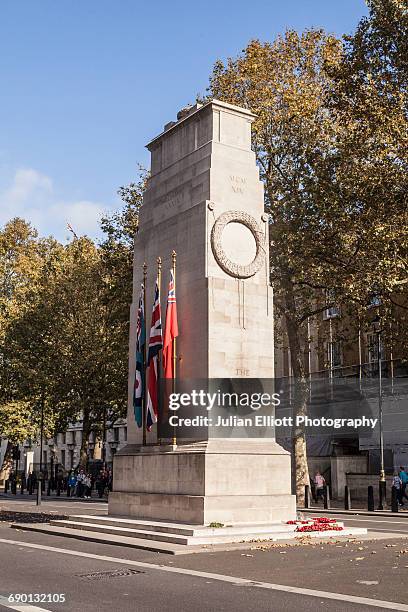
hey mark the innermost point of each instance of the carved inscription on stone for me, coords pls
(171, 199)
(237, 183)
(230, 267)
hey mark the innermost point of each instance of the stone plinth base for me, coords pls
(222, 480)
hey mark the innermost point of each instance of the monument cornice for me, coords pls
(236, 110)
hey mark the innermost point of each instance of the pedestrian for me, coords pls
(404, 481)
(80, 483)
(87, 486)
(319, 482)
(397, 484)
(30, 483)
(71, 484)
(101, 483)
(109, 480)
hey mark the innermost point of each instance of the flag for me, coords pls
(139, 384)
(155, 345)
(171, 330)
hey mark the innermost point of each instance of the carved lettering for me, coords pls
(237, 189)
(238, 183)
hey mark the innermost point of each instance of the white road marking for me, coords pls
(20, 606)
(377, 603)
(373, 530)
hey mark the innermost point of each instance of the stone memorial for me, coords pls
(204, 199)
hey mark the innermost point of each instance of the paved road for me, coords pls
(98, 577)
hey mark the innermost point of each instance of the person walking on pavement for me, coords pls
(319, 482)
(101, 483)
(404, 481)
(80, 483)
(71, 484)
(397, 485)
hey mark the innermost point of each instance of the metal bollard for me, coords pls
(307, 496)
(347, 498)
(370, 499)
(326, 498)
(394, 499)
(382, 495)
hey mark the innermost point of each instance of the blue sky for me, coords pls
(86, 84)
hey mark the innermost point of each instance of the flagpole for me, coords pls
(174, 259)
(159, 275)
(144, 357)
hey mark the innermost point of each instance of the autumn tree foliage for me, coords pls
(330, 141)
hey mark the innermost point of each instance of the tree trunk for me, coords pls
(5, 469)
(300, 395)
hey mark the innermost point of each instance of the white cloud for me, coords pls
(31, 196)
(83, 215)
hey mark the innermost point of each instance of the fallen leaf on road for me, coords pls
(359, 558)
(369, 582)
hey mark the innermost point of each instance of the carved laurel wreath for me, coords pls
(234, 269)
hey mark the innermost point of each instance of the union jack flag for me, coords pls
(139, 382)
(155, 345)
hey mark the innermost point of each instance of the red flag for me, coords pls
(171, 330)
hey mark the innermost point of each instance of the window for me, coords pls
(63, 458)
(372, 347)
(331, 313)
(116, 434)
(334, 354)
(125, 434)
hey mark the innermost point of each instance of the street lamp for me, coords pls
(39, 485)
(376, 324)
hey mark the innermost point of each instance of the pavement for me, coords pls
(52, 505)
(351, 574)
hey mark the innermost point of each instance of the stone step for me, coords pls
(223, 543)
(123, 531)
(180, 528)
(209, 536)
(115, 540)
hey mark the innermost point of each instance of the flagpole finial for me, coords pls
(159, 263)
(144, 269)
(173, 256)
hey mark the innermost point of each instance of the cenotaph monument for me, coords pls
(204, 200)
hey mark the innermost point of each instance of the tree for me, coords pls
(330, 141)
(285, 84)
(371, 98)
(67, 346)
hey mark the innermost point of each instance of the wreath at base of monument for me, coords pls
(230, 267)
